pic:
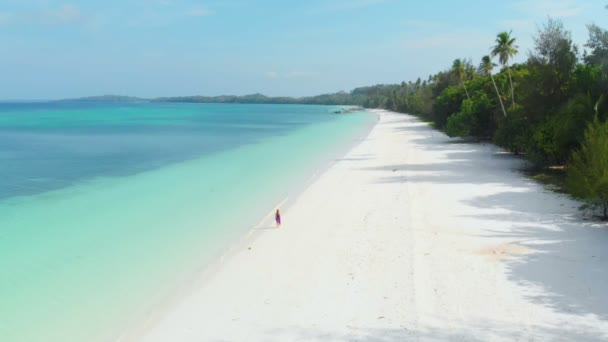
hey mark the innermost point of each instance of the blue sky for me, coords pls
(69, 48)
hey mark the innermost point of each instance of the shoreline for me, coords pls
(411, 235)
(89, 260)
(209, 268)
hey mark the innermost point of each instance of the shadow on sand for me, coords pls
(474, 332)
(569, 268)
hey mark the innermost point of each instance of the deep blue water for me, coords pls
(50, 145)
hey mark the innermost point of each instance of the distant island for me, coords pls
(106, 98)
(370, 97)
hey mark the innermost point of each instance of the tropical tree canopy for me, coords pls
(588, 171)
(505, 48)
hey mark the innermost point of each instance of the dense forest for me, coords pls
(552, 109)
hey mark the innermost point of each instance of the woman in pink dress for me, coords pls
(277, 218)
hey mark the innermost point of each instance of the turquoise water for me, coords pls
(105, 208)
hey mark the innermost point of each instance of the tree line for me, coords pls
(552, 109)
(356, 97)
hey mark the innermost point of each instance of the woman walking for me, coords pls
(277, 218)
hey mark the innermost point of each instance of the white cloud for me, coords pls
(292, 74)
(5, 18)
(63, 15)
(354, 4)
(450, 40)
(347, 5)
(552, 8)
(302, 74)
(272, 74)
(67, 14)
(518, 25)
(199, 12)
(426, 25)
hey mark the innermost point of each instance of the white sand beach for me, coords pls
(411, 236)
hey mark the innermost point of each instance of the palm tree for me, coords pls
(458, 68)
(485, 68)
(505, 49)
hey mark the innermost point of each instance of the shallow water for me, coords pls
(104, 208)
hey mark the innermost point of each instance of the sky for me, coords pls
(51, 49)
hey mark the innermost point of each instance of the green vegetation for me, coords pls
(588, 171)
(366, 96)
(556, 113)
(553, 179)
(485, 68)
(506, 49)
(458, 68)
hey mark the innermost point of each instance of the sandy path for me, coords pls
(412, 236)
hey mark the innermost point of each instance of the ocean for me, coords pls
(107, 208)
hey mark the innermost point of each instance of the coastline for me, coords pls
(88, 260)
(411, 236)
(214, 263)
